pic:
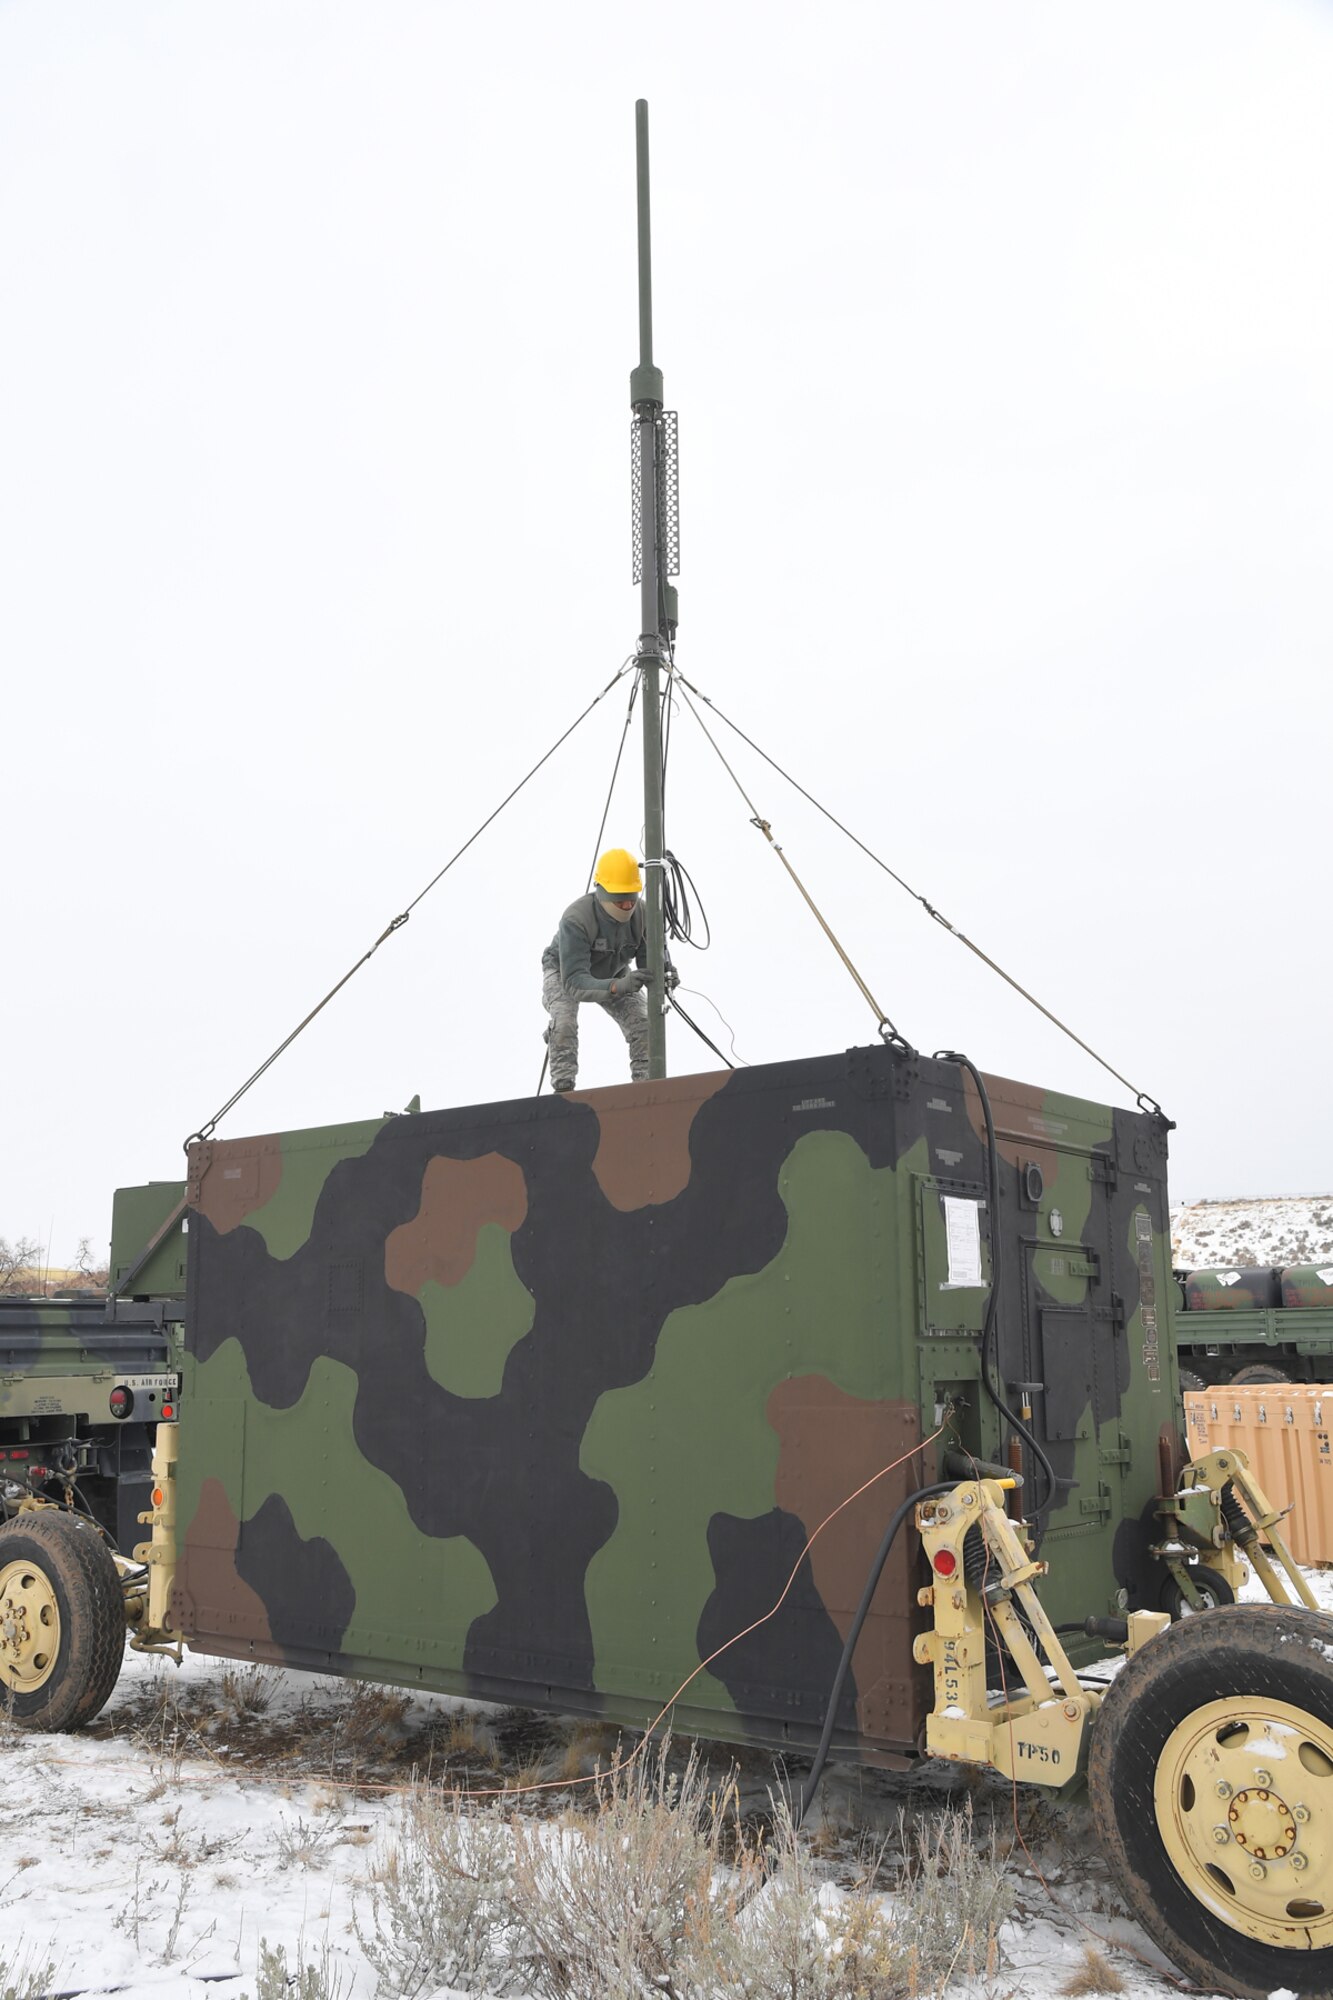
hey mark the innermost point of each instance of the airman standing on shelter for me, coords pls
(597, 954)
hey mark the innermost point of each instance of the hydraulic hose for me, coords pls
(1111, 1631)
(849, 1647)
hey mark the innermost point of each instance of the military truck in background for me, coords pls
(1268, 1324)
(84, 1381)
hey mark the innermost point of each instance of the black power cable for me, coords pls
(690, 1022)
(876, 1570)
(996, 1280)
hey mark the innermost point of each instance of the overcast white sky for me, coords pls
(1002, 339)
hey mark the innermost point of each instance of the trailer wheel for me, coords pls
(1190, 1382)
(62, 1620)
(1259, 1371)
(1211, 1779)
(1212, 1587)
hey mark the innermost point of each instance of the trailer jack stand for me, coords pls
(154, 1633)
(1221, 1512)
(984, 1580)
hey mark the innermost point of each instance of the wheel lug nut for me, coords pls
(1221, 1836)
(1223, 1789)
(1258, 1871)
(1300, 1814)
(1263, 1777)
(1299, 1863)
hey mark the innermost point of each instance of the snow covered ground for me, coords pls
(1248, 1234)
(212, 1806)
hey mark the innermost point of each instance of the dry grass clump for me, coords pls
(26, 1973)
(440, 1905)
(467, 1739)
(1095, 1975)
(450, 1745)
(956, 1896)
(301, 1843)
(372, 1717)
(660, 1889)
(587, 1745)
(249, 1691)
(311, 1978)
(796, 1939)
(620, 1903)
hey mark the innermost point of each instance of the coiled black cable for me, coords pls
(677, 909)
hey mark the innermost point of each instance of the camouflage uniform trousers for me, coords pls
(629, 1011)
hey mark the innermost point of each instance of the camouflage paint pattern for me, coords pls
(62, 1360)
(543, 1400)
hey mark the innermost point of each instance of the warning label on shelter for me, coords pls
(962, 1230)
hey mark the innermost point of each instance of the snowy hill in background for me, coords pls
(1276, 1229)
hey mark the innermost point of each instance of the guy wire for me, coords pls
(882, 1021)
(1141, 1097)
(396, 923)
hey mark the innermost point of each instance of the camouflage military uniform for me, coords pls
(590, 950)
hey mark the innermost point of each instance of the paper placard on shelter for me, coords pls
(962, 1233)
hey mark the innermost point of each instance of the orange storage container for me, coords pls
(1284, 1429)
(1316, 1405)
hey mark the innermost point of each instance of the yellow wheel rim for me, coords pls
(29, 1628)
(1244, 1803)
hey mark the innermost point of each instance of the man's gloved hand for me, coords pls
(672, 978)
(629, 981)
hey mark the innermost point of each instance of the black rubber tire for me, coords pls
(1190, 1381)
(1259, 1371)
(1209, 1581)
(76, 1563)
(1257, 1653)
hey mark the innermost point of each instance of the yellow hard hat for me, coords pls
(618, 873)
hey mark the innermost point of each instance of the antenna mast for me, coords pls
(656, 557)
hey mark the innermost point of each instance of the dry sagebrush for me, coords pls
(632, 1901)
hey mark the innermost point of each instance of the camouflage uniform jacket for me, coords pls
(590, 948)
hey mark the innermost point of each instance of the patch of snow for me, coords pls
(1269, 1230)
(146, 1867)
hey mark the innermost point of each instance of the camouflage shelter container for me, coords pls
(542, 1401)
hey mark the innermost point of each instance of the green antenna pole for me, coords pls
(645, 394)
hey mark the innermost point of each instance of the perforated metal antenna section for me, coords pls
(668, 494)
(635, 488)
